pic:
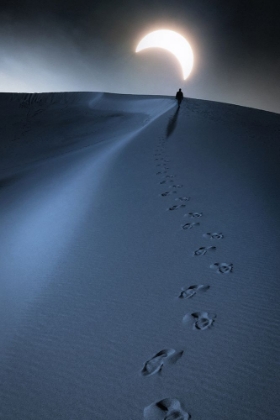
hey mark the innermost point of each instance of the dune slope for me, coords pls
(139, 259)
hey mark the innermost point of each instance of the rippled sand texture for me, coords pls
(139, 259)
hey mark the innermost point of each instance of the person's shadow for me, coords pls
(172, 123)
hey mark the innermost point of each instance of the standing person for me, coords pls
(179, 97)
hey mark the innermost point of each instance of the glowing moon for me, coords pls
(173, 42)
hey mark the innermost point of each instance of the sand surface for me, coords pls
(139, 259)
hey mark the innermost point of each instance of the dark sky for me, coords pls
(59, 45)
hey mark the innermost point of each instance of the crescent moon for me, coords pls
(172, 42)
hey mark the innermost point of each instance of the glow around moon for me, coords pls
(172, 42)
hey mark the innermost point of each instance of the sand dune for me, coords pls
(139, 259)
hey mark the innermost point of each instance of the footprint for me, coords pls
(200, 320)
(213, 235)
(189, 225)
(203, 250)
(222, 268)
(188, 292)
(177, 207)
(163, 182)
(155, 364)
(183, 198)
(176, 186)
(166, 193)
(196, 215)
(158, 173)
(166, 409)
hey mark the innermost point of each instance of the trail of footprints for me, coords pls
(171, 408)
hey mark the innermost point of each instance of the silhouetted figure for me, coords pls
(179, 97)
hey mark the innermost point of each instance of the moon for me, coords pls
(172, 42)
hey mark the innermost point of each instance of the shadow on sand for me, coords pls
(172, 123)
